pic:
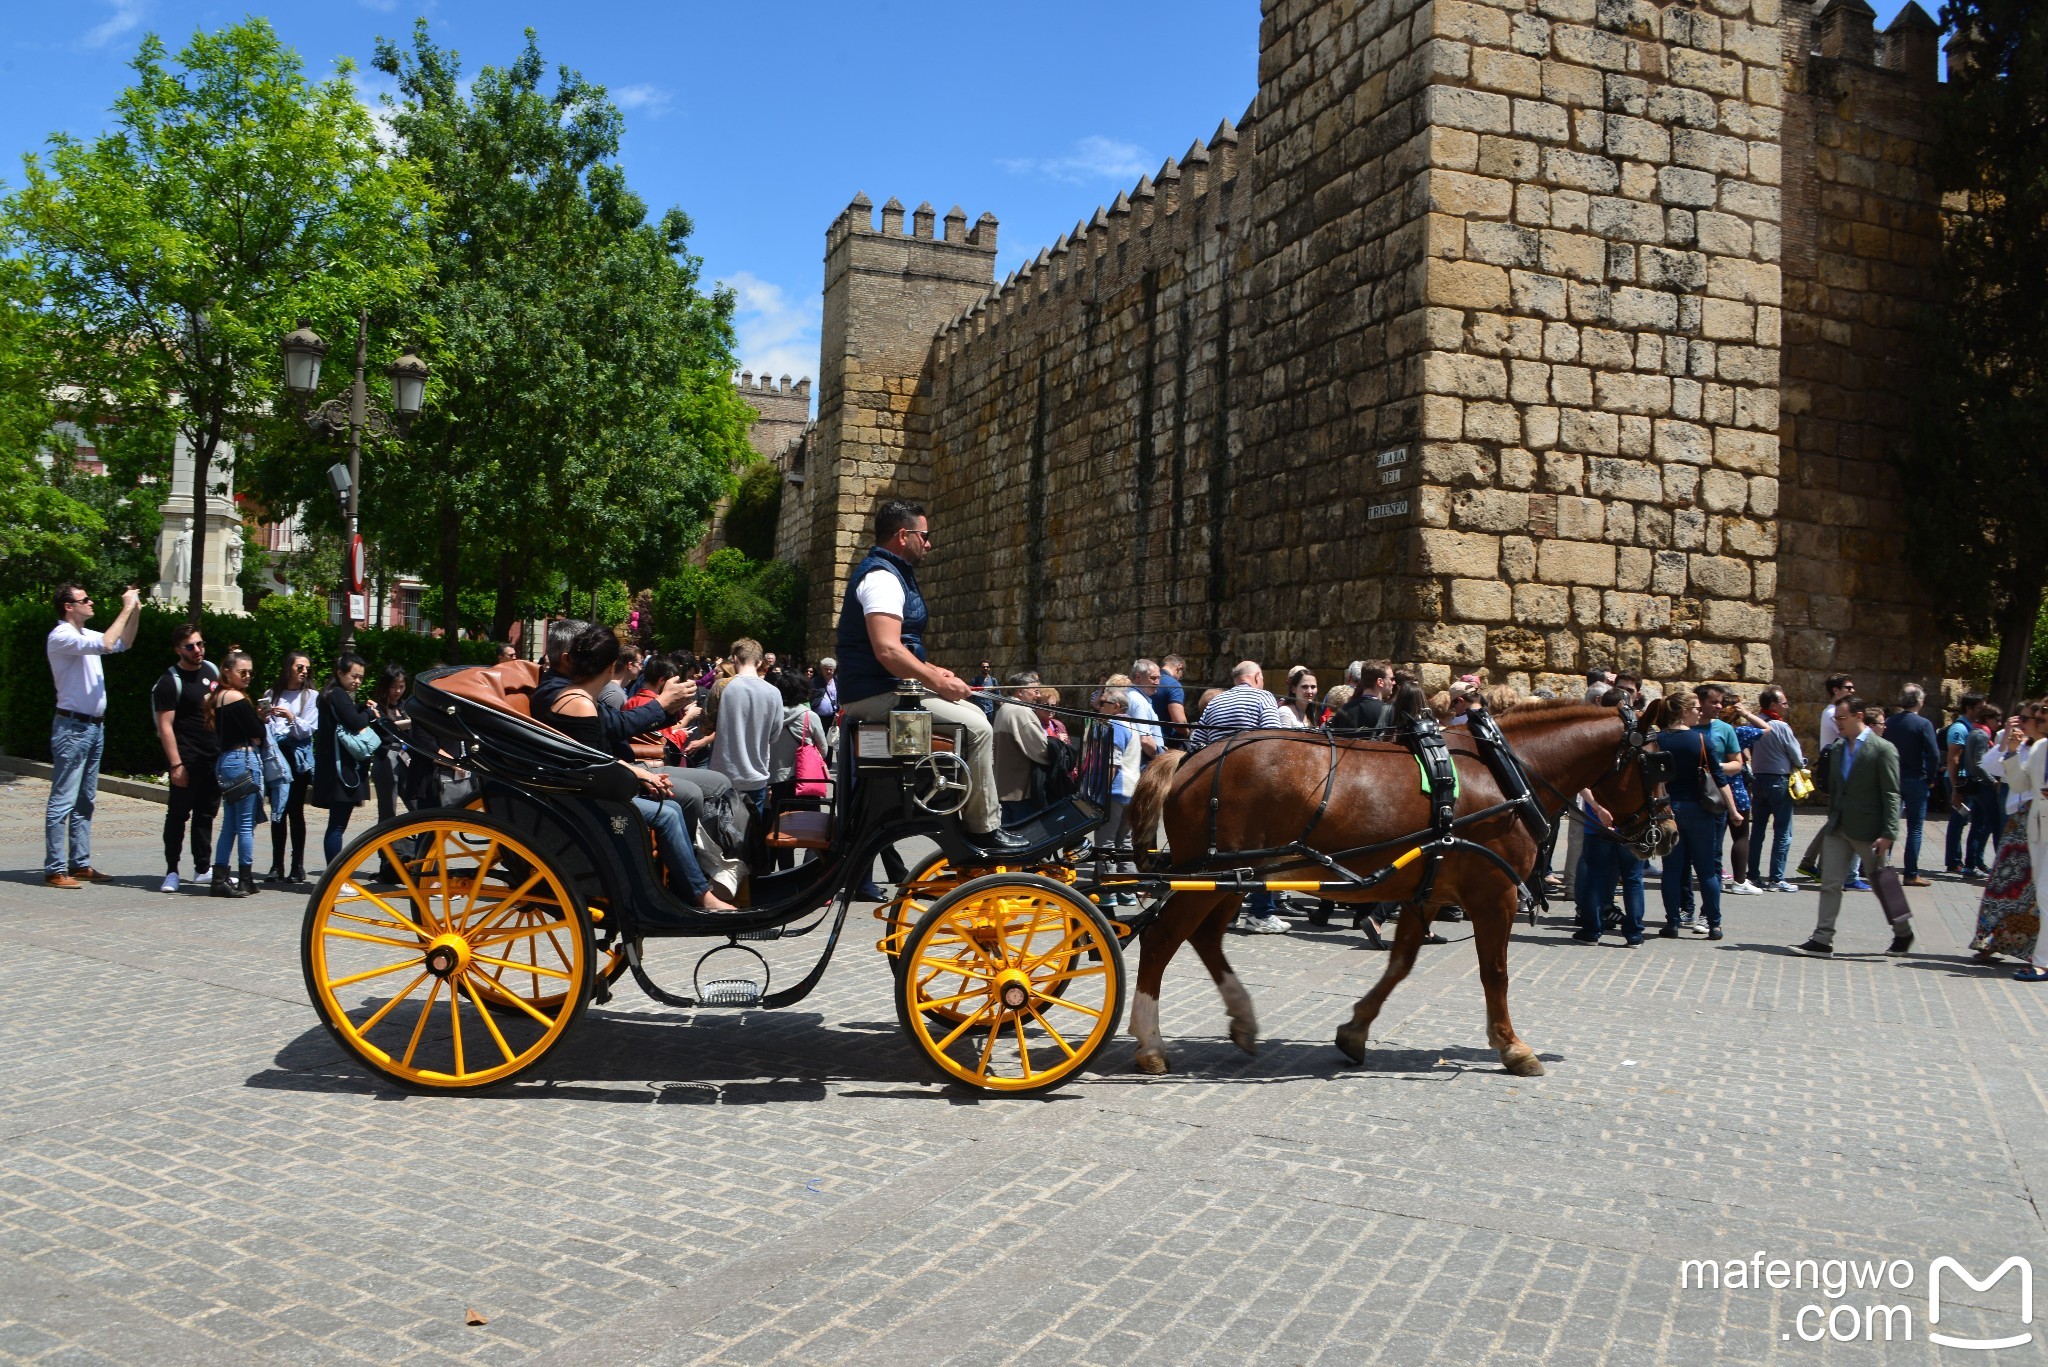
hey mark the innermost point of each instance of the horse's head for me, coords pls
(1634, 790)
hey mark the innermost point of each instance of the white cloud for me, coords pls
(1093, 158)
(649, 99)
(778, 335)
(126, 18)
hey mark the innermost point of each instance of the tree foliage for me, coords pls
(731, 596)
(756, 506)
(1976, 470)
(232, 196)
(584, 422)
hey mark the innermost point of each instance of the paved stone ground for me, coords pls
(189, 1171)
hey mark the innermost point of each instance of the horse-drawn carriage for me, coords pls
(507, 916)
(502, 919)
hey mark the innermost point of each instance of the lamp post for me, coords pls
(354, 413)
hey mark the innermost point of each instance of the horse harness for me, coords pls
(1431, 750)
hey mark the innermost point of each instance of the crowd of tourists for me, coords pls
(718, 743)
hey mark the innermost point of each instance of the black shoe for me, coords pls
(1586, 937)
(1371, 929)
(247, 882)
(1714, 934)
(276, 875)
(223, 886)
(998, 842)
(1815, 949)
(1902, 943)
(1668, 933)
(297, 876)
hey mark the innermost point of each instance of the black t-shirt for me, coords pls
(237, 725)
(183, 692)
(1365, 712)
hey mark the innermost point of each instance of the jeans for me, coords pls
(1913, 806)
(1987, 814)
(337, 828)
(672, 837)
(1958, 827)
(1772, 804)
(1699, 850)
(75, 750)
(237, 818)
(1603, 863)
(198, 801)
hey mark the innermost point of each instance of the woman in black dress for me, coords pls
(341, 782)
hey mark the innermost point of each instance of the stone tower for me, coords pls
(886, 294)
(783, 411)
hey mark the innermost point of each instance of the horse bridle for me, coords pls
(1644, 831)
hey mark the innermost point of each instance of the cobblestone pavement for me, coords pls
(189, 1172)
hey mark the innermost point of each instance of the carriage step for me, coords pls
(730, 992)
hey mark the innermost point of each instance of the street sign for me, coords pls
(355, 567)
(358, 607)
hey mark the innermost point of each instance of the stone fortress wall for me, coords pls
(1524, 335)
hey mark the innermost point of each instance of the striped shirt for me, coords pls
(1235, 709)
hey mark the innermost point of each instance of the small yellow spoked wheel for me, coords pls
(462, 974)
(1011, 983)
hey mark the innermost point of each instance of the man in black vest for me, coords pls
(881, 639)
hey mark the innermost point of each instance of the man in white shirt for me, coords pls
(880, 639)
(78, 732)
(1139, 713)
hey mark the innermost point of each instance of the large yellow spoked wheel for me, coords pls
(1010, 983)
(926, 884)
(462, 974)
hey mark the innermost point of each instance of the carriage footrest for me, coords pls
(730, 992)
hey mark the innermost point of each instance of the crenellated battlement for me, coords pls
(1161, 208)
(766, 387)
(857, 220)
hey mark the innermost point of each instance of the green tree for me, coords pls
(731, 596)
(756, 506)
(46, 534)
(585, 423)
(1979, 482)
(232, 196)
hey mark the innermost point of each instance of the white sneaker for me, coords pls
(1782, 886)
(1265, 925)
(1745, 889)
(170, 883)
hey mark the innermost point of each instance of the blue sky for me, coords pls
(762, 121)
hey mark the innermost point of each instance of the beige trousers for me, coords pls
(982, 813)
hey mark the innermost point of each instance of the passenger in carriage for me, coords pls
(567, 701)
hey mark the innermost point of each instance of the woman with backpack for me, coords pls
(342, 747)
(291, 711)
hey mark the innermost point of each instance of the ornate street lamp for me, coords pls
(354, 413)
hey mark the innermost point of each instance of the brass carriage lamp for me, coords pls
(408, 376)
(303, 352)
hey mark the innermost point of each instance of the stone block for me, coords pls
(1576, 562)
(1469, 555)
(1630, 392)
(1528, 382)
(1539, 428)
(1581, 519)
(1467, 284)
(1481, 600)
(1763, 496)
(1570, 384)
(1632, 567)
(1478, 111)
(1678, 185)
(1586, 607)
(1685, 442)
(1728, 320)
(1578, 256)
(1723, 491)
(1721, 576)
(1752, 453)
(1564, 472)
(1756, 663)
(1747, 536)
(1541, 295)
(1632, 480)
(1513, 73)
(1496, 422)
(1467, 195)
(1490, 510)
(1714, 659)
(1689, 529)
(1472, 377)
(1664, 659)
(1596, 434)
(1628, 221)
(1754, 282)
(1541, 120)
(1443, 417)
(1518, 468)
(1542, 605)
(1635, 435)
(1681, 484)
(1456, 645)
(1634, 612)
(1518, 559)
(1736, 621)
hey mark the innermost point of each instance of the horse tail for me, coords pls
(1150, 798)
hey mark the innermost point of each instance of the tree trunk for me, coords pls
(511, 581)
(195, 572)
(2016, 641)
(451, 582)
(593, 602)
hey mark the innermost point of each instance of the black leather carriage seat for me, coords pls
(515, 746)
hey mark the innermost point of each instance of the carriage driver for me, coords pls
(881, 639)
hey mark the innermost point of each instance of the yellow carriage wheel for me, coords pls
(463, 974)
(924, 885)
(1011, 983)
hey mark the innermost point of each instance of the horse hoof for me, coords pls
(1245, 1037)
(1522, 1061)
(1352, 1041)
(1151, 1061)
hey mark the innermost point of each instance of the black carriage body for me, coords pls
(575, 805)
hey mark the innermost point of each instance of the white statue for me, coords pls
(181, 557)
(233, 552)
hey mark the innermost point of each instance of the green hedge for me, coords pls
(28, 695)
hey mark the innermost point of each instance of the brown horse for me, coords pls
(1271, 788)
